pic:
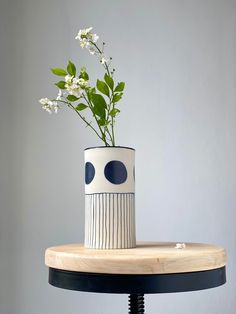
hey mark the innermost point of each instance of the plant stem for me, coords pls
(111, 139)
(112, 136)
(112, 122)
(103, 133)
(87, 123)
(99, 50)
(113, 132)
(112, 118)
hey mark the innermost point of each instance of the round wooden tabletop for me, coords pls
(146, 258)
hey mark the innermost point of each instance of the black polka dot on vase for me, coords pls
(89, 172)
(115, 172)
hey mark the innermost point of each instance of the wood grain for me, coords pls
(146, 258)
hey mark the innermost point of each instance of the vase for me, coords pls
(110, 197)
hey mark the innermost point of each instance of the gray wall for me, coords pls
(179, 112)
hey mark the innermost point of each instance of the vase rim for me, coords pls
(112, 147)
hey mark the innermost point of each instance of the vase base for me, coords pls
(110, 221)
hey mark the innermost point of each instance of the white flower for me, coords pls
(104, 60)
(44, 101)
(47, 108)
(49, 105)
(83, 33)
(94, 38)
(180, 246)
(59, 95)
(68, 79)
(71, 85)
(75, 85)
(75, 80)
(86, 37)
(83, 83)
(54, 106)
(73, 89)
(84, 43)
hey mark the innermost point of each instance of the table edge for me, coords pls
(137, 283)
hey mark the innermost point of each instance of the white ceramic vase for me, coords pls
(110, 197)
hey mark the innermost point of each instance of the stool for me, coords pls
(151, 267)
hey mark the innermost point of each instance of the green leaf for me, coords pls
(59, 71)
(120, 87)
(117, 97)
(72, 98)
(84, 75)
(81, 107)
(114, 112)
(61, 84)
(103, 122)
(103, 88)
(98, 99)
(90, 92)
(99, 105)
(71, 69)
(109, 80)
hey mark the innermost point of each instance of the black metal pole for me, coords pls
(136, 304)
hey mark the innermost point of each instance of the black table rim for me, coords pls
(137, 284)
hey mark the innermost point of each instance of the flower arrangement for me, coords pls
(77, 93)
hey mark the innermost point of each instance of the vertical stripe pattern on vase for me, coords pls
(110, 220)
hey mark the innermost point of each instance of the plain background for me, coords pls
(178, 59)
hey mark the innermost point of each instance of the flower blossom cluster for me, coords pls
(88, 40)
(75, 85)
(49, 105)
